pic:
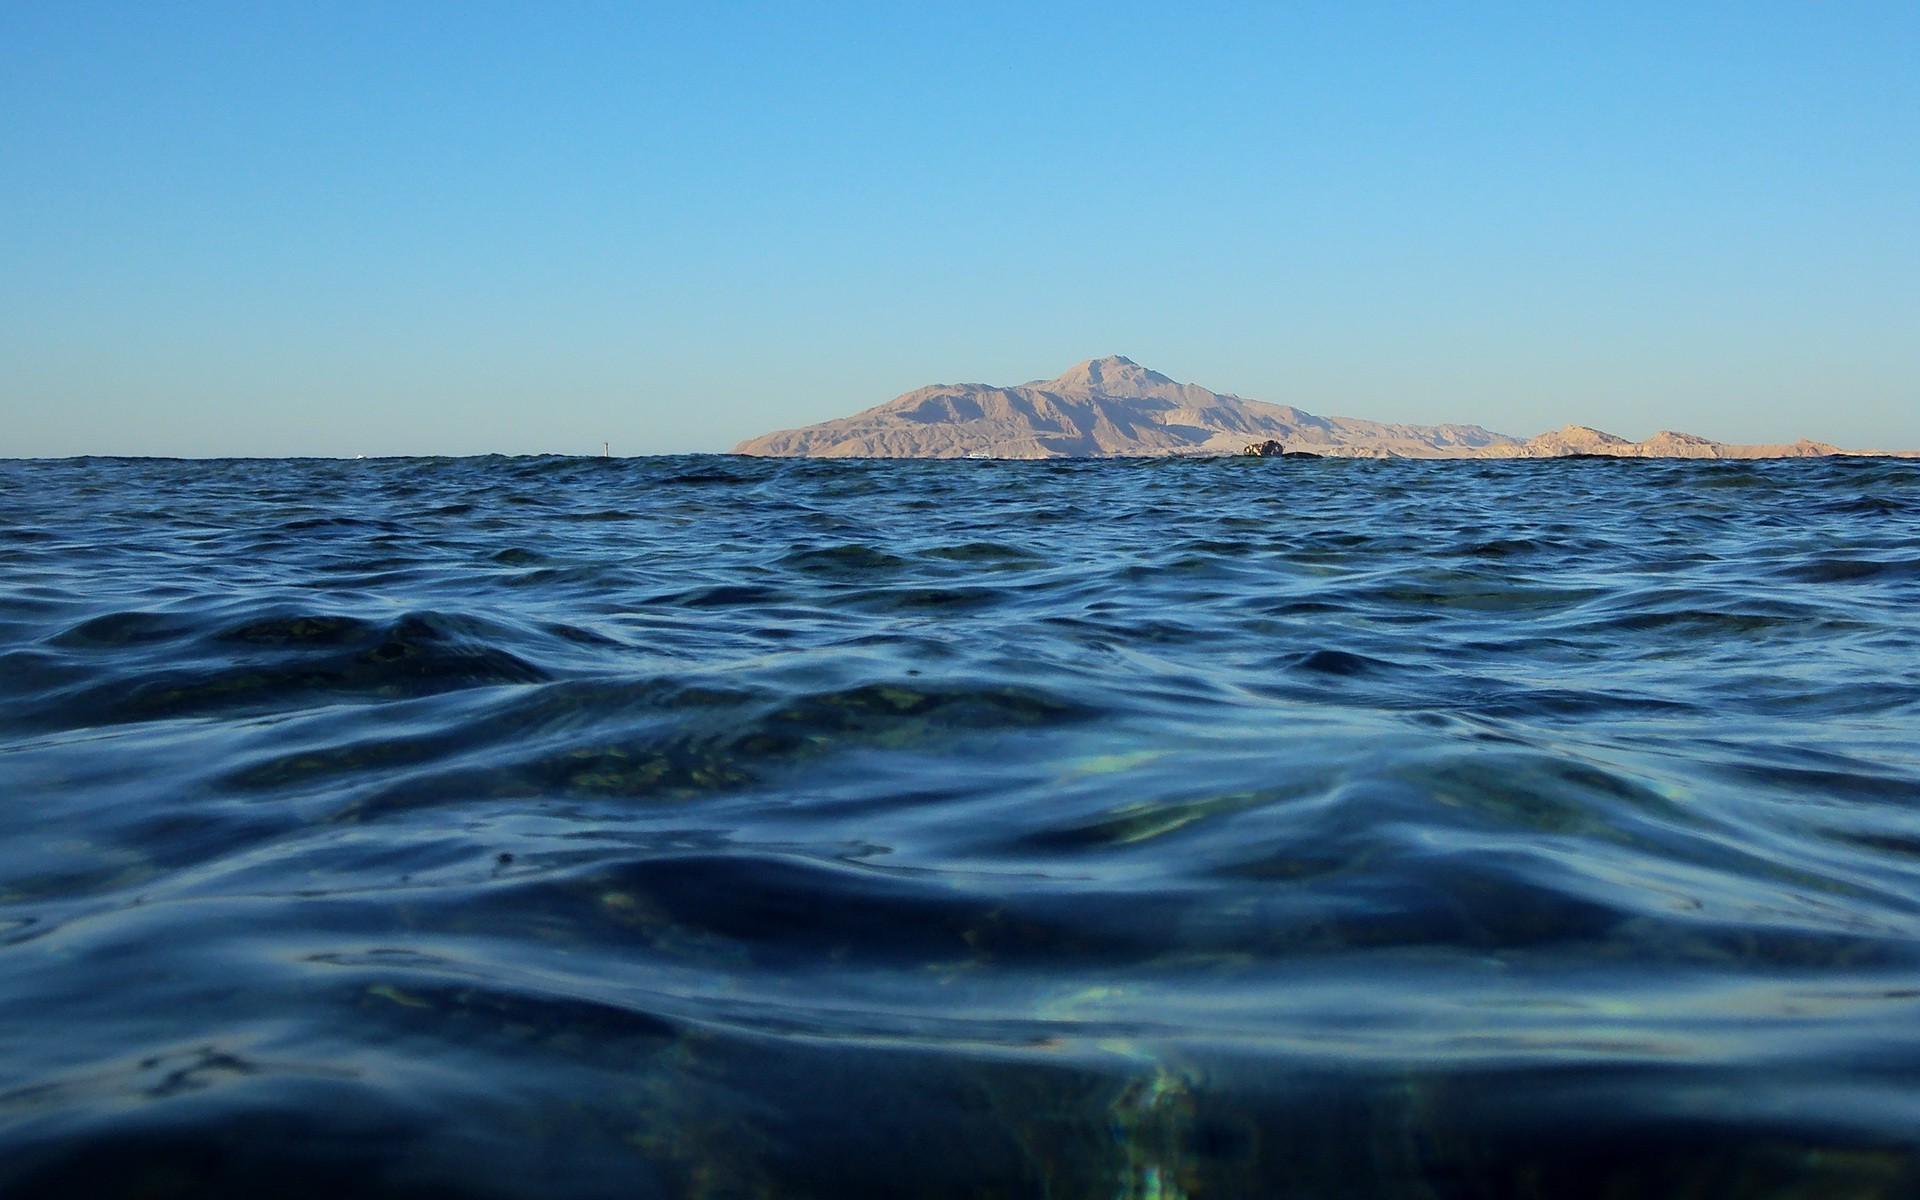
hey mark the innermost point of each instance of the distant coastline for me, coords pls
(1114, 408)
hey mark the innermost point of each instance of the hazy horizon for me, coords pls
(234, 231)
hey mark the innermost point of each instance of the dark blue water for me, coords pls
(727, 827)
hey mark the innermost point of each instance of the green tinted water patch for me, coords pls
(320, 765)
(902, 714)
(1145, 821)
(547, 1025)
(675, 771)
(850, 560)
(122, 629)
(1542, 794)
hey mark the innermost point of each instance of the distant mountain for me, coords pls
(1580, 439)
(1110, 407)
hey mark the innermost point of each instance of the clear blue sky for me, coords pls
(335, 228)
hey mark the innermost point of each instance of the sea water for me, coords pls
(711, 826)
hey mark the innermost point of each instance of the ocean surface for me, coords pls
(712, 826)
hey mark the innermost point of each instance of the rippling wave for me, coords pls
(727, 827)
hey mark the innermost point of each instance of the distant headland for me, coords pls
(1114, 407)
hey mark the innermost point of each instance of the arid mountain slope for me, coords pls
(1580, 439)
(1107, 407)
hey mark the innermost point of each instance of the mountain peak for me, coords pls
(1114, 375)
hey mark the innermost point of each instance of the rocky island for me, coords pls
(1114, 407)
